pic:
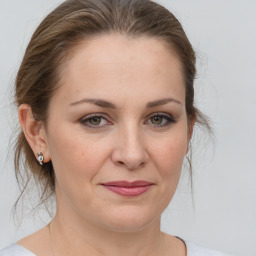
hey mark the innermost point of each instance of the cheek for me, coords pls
(167, 154)
(76, 158)
(170, 153)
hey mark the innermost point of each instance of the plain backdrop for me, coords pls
(223, 33)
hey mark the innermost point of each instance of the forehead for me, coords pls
(115, 65)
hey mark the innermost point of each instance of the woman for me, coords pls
(106, 105)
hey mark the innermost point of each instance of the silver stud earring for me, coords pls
(40, 158)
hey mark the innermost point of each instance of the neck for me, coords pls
(71, 238)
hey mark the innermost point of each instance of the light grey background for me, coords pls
(224, 36)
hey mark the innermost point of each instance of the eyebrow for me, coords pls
(161, 102)
(98, 102)
(106, 104)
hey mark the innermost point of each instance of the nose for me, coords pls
(130, 151)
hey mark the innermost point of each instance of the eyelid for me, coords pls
(161, 114)
(98, 114)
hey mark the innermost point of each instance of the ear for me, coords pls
(191, 124)
(34, 132)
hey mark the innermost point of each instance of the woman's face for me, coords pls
(118, 117)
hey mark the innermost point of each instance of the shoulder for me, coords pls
(195, 250)
(15, 250)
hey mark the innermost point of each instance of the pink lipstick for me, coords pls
(126, 188)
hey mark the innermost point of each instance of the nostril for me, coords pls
(120, 162)
(130, 166)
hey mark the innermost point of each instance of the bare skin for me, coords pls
(138, 131)
(40, 244)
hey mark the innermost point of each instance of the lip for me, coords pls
(127, 188)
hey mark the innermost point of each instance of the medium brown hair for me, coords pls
(52, 43)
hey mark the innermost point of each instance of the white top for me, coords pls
(192, 250)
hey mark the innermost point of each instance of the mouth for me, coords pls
(126, 188)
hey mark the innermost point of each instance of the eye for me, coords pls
(94, 121)
(161, 119)
(157, 119)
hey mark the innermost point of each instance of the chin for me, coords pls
(130, 219)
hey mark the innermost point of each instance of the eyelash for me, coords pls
(85, 120)
(168, 120)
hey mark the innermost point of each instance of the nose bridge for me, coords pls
(132, 138)
(130, 150)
